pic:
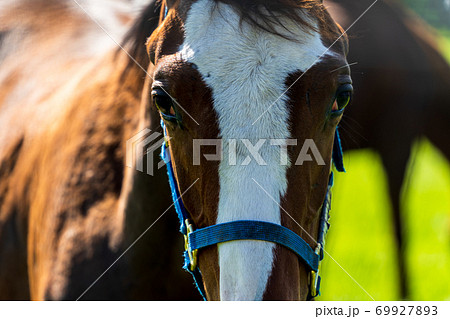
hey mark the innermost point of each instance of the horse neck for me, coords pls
(148, 221)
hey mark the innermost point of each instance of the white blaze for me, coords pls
(246, 69)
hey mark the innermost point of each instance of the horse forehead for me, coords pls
(233, 53)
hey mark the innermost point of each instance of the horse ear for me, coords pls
(151, 49)
(151, 44)
(170, 3)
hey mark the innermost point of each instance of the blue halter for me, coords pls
(250, 229)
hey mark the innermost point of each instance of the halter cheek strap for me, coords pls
(190, 258)
(250, 229)
(338, 157)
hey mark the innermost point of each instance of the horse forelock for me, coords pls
(269, 15)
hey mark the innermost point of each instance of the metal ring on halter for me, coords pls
(191, 253)
(314, 277)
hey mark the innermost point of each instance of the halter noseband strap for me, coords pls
(250, 229)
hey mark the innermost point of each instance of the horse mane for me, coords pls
(264, 14)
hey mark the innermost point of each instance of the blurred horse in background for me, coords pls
(68, 205)
(402, 87)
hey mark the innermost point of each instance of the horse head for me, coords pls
(250, 94)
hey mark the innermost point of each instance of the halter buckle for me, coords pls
(314, 277)
(192, 254)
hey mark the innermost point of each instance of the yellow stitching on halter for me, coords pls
(191, 253)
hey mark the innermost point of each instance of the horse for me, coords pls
(389, 116)
(76, 222)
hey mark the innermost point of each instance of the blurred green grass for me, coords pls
(444, 42)
(361, 236)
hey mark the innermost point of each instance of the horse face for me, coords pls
(263, 106)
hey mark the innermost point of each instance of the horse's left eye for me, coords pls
(164, 104)
(343, 97)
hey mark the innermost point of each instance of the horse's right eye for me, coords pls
(343, 98)
(164, 104)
